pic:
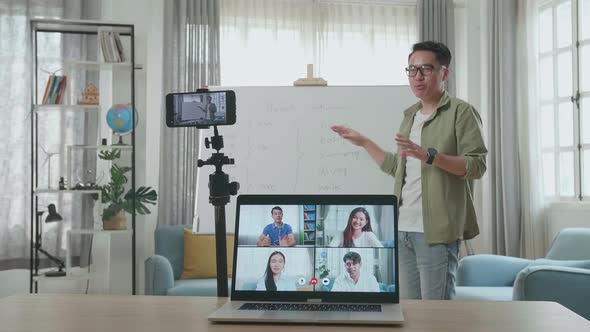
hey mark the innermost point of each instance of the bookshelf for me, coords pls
(81, 69)
(309, 224)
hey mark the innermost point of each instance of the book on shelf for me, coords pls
(309, 207)
(54, 89)
(309, 236)
(112, 47)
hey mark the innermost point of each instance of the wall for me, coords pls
(565, 214)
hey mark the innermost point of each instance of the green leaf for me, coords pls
(114, 191)
(110, 154)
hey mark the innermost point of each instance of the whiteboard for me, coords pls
(282, 142)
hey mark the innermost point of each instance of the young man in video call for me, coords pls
(210, 109)
(440, 152)
(353, 280)
(277, 233)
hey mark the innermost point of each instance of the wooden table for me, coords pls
(106, 313)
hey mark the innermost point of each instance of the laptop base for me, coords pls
(391, 314)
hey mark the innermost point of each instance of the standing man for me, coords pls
(277, 233)
(353, 280)
(440, 151)
(210, 109)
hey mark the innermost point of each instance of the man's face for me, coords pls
(427, 87)
(353, 269)
(277, 215)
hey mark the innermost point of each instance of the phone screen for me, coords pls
(200, 110)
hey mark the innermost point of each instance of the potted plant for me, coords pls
(323, 272)
(117, 200)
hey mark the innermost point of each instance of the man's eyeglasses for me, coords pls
(425, 70)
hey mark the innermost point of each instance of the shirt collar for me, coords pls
(350, 280)
(444, 100)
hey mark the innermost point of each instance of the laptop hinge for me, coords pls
(314, 300)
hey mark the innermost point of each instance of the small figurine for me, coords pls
(89, 95)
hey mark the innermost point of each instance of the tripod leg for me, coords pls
(221, 251)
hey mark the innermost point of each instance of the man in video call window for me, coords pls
(353, 280)
(277, 233)
(210, 109)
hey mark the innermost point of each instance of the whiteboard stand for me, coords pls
(310, 80)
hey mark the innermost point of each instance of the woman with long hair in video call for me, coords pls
(358, 231)
(273, 279)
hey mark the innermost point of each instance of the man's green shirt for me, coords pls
(447, 200)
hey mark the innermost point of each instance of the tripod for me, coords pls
(220, 190)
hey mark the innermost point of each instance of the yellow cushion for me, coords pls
(199, 255)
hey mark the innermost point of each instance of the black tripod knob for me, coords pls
(207, 142)
(234, 187)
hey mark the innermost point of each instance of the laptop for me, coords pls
(314, 259)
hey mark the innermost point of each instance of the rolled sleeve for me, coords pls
(475, 167)
(470, 142)
(389, 164)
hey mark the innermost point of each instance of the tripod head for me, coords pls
(220, 188)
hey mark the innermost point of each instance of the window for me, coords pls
(564, 98)
(270, 42)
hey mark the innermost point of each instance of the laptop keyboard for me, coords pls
(312, 307)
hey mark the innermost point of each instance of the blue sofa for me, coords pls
(163, 269)
(563, 276)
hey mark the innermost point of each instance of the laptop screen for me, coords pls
(337, 248)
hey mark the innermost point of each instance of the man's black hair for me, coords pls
(440, 50)
(353, 256)
(276, 208)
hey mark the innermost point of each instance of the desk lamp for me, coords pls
(53, 216)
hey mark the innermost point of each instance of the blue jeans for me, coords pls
(426, 272)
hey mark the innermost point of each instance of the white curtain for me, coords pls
(191, 58)
(269, 42)
(532, 201)
(436, 23)
(15, 151)
(503, 160)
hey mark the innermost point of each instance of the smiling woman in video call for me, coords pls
(273, 279)
(358, 231)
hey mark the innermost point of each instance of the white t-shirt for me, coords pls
(367, 239)
(366, 283)
(410, 212)
(283, 284)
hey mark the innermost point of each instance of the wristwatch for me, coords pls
(431, 154)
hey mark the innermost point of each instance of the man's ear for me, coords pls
(446, 74)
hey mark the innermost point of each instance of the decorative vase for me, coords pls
(116, 223)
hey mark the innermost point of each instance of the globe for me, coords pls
(120, 118)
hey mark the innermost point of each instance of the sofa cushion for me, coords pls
(195, 287)
(170, 244)
(581, 264)
(200, 256)
(483, 293)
